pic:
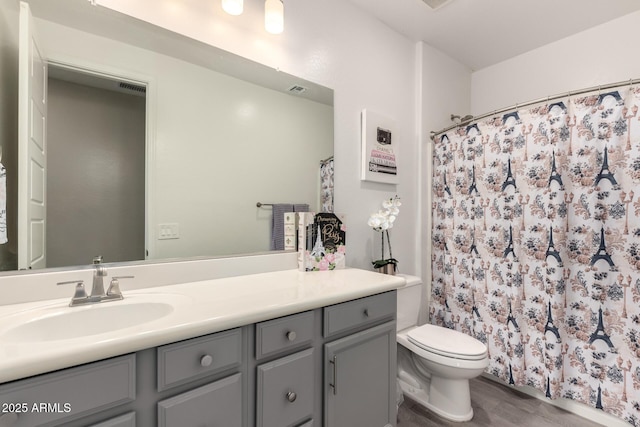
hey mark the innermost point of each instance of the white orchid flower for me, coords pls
(374, 222)
(382, 221)
(393, 202)
(391, 219)
(378, 220)
(384, 218)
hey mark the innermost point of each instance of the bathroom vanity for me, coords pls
(266, 350)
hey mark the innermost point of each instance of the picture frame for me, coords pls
(379, 148)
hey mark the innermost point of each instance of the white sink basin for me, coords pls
(63, 323)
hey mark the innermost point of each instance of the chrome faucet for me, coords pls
(97, 288)
(98, 294)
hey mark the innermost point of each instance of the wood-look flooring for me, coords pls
(495, 405)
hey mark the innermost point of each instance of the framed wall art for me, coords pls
(379, 148)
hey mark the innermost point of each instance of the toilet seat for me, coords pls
(447, 342)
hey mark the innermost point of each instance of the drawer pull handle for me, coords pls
(291, 396)
(334, 385)
(206, 360)
(8, 419)
(291, 335)
(366, 312)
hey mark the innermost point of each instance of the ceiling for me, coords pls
(102, 21)
(480, 33)
(477, 33)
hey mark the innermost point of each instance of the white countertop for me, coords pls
(199, 308)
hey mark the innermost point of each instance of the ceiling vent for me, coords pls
(132, 87)
(435, 4)
(297, 89)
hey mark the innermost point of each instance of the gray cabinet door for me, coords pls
(286, 390)
(215, 404)
(359, 374)
(126, 420)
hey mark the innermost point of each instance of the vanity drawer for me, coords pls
(359, 313)
(285, 390)
(185, 361)
(72, 393)
(215, 404)
(126, 420)
(282, 334)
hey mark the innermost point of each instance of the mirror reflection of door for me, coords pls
(32, 146)
(95, 168)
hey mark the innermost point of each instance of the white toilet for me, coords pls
(435, 364)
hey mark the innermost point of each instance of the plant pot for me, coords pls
(387, 269)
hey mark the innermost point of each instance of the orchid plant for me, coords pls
(382, 221)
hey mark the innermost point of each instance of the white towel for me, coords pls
(3, 205)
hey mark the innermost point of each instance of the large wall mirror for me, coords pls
(157, 146)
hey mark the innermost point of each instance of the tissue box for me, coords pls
(321, 241)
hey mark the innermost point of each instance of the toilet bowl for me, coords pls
(435, 364)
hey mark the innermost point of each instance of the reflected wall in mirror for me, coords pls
(219, 133)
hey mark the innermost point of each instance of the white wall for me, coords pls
(206, 122)
(445, 89)
(604, 54)
(334, 44)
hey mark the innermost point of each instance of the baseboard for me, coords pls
(580, 409)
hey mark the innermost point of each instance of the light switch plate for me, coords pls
(168, 231)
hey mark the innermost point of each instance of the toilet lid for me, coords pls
(447, 342)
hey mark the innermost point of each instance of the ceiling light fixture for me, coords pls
(232, 7)
(274, 16)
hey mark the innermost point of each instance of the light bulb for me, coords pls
(274, 16)
(232, 7)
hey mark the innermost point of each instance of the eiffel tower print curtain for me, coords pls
(536, 246)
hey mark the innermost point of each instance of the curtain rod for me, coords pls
(629, 82)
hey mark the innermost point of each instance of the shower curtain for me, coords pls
(536, 246)
(326, 185)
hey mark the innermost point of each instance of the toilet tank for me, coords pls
(409, 302)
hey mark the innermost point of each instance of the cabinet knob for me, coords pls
(206, 360)
(366, 312)
(291, 335)
(291, 396)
